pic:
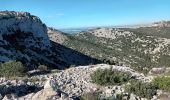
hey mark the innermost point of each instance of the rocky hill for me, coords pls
(161, 24)
(127, 52)
(144, 47)
(23, 37)
(66, 84)
(73, 83)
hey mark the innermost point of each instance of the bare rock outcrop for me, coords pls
(23, 37)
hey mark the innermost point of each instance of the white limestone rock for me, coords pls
(26, 23)
(10, 97)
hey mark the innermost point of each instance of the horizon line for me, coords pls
(115, 26)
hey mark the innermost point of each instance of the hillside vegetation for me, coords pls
(140, 48)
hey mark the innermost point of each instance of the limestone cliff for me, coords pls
(24, 37)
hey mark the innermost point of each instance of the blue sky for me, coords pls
(86, 13)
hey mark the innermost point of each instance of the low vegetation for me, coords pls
(12, 69)
(139, 88)
(163, 83)
(43, 68)
(109, 77)
(135, 50)
(90, 96)
(99, 96)
(148, 90)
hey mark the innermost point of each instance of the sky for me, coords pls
(88, 13)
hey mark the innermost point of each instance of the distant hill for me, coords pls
(143, 47)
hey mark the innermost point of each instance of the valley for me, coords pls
(41, 62)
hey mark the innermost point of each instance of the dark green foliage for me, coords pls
(42, 68)
(127, 50)
(153, 31)
(109, 77)
(90, 96)
(98, 96)
(145, 90)
(11, 69)
(163, 83)
(119, 97)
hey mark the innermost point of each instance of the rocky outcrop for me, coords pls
(110, 33)
(50, 91)
(73, 82)
(26, 26)
(23, 37)
(159, 71)
(161, 24)
(9, 97)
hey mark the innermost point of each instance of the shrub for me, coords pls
(43, 68)
(55, 71)
(35, 79)
(12, 69)
(163, 83)
(90, 96)
(119, 97)
(145, 90)
(109, 77)
(72, 66)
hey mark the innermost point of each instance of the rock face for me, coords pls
(24, 37)
(24, 24)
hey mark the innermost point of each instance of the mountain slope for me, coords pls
(124, 46)
(72, 57)
(23, 37)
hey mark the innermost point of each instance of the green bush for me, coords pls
(109, 77)
(99, 96)
(119, 97)
(145, 90)
(43, 68)
(90, 96)
(163, 83)
(11, 69)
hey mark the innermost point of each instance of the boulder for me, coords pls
(157, 70)
(132, 97)
(50, 91)
(64, 96)
(9, 97)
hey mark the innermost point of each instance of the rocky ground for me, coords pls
(70, 83)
